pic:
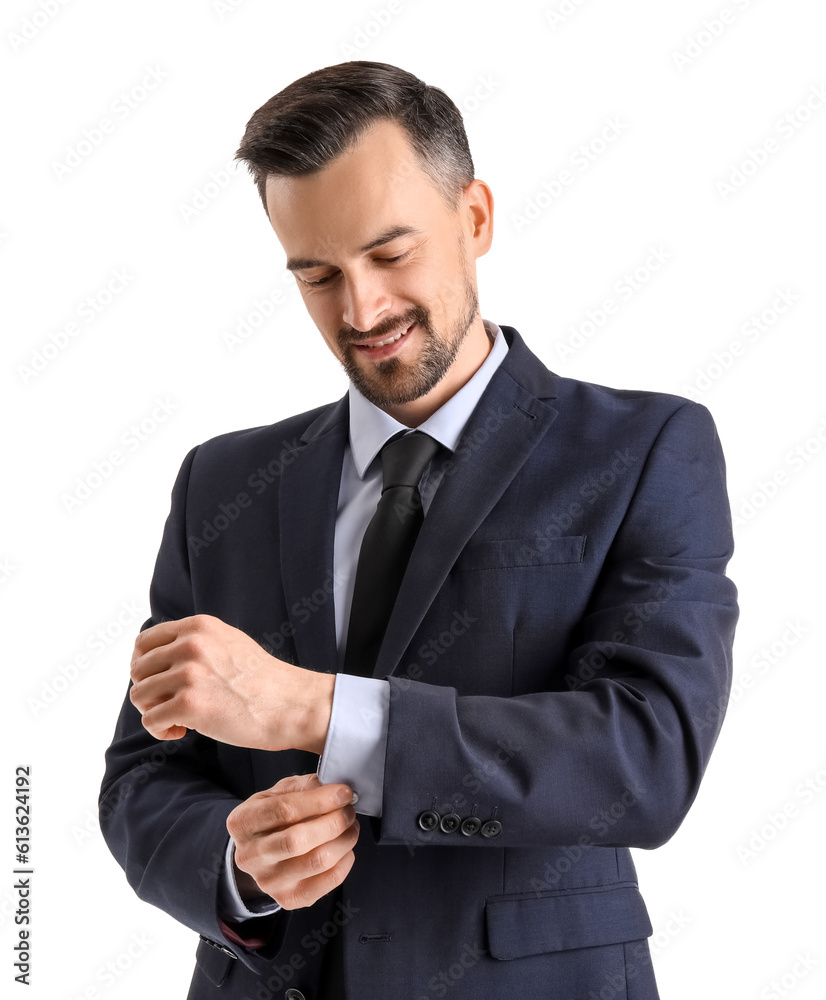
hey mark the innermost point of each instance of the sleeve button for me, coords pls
(428, 820)
(492, 828)
(471, 825)
(450, 823)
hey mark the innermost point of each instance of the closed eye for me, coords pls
(381, 260)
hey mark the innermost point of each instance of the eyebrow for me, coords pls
(300, 263)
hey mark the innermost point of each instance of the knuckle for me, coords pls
(236, 827)
(285, 784)
(188, 672)
(292, 783)
(319, 859)
(337, 874)
(329, 881)
(293, 843)
(243, 856)
(192, 647)
(185, 701)
(287, 811)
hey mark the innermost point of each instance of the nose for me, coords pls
(366, 302)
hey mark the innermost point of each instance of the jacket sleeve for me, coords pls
(614, 751)
(163, 804)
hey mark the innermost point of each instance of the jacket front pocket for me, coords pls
(531, 924)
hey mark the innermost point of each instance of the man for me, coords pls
(537, 690)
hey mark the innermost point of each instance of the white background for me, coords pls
(729, 918)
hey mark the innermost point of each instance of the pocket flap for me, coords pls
(571, 918)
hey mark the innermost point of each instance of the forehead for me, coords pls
(367, 189)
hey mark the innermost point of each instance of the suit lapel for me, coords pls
(308, 502)
(504, 428)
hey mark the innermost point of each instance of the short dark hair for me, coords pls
(323, 114)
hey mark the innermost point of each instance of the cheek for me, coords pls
(448, 292)
(321, 312)
(425, 286)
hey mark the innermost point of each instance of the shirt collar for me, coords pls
(371, 427)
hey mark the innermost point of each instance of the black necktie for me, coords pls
(386, 547)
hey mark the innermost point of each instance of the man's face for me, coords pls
(383, 266)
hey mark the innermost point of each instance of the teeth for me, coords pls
(389, 340)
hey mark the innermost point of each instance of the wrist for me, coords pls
(317, 711)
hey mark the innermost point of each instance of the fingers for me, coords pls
(152, 690)
(299, 879)
(295, 782)
(166, 632)
(156, 635)
(295, 888)
(296, 839)
(159, 723)
(293, 800)
(172, 733)
(307, 843)
(153, 661)
(288, 823)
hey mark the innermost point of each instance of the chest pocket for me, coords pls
(503, 553)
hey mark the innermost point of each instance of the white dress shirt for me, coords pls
(357, 736)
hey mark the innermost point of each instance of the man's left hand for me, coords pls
(200, 673)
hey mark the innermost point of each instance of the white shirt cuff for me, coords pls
(230, 904)
(357, 739)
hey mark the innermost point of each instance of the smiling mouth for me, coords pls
(386, 340)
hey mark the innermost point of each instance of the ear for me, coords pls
(478, 214)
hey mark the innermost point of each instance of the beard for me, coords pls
(394, 381)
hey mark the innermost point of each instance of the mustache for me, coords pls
(348, 337)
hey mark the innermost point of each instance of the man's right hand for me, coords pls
(296, 839)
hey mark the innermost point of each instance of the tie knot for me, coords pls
(403, 459)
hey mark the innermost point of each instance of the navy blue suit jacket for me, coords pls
(559, 660)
